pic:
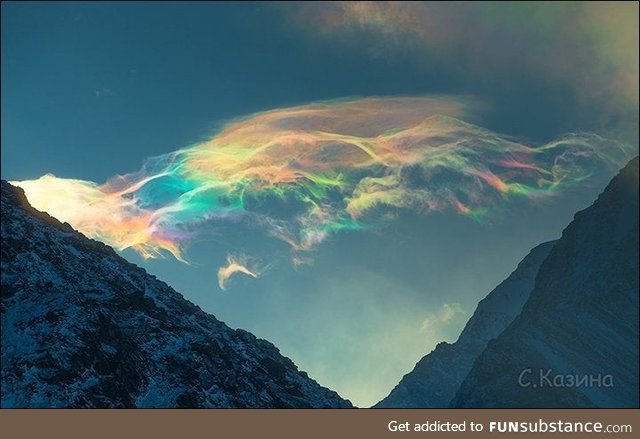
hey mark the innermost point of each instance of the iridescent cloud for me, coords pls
(234, 265)
(305, 173)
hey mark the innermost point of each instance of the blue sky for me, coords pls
(90, 90)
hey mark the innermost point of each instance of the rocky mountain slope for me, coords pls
(575, 343)
(437, 376)
(82, 327)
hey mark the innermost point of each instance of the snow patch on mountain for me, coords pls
(82, 327)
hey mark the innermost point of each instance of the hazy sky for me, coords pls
(92, 90)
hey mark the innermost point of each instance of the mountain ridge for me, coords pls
(83, 327)
(581, 319)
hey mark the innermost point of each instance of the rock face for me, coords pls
(575, 343)
(82, 327)
(437, 376)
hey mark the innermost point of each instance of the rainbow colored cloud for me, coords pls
(331, 166)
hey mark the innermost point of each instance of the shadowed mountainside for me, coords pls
(82, 327)
(575, 343)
